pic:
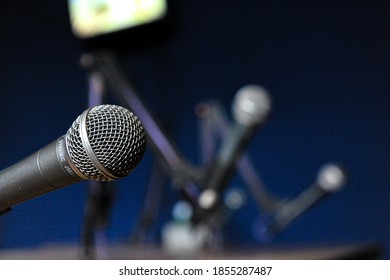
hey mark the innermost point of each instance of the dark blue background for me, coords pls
(326, 63)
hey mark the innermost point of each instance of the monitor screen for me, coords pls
(90, 18)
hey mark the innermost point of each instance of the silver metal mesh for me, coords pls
(117, 139)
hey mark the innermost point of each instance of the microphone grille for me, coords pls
(331, 177)
(251, 105)
(113, 145)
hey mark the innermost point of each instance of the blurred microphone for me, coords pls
(104, 143)
(250, 109)
(331, 178)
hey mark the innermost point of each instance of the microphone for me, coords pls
(331, 178)
(104, 143)
(251, 107)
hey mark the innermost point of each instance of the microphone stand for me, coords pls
(191, 180)
(187, 177)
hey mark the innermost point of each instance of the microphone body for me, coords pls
(251, 107)
(294, 208)
(46, 170)
(331, 178)
(233, 147)
(104, 143)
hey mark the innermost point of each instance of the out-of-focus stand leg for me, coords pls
(96, 219)
(143, 230)
(100, 196)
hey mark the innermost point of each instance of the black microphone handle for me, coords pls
(46, 170)
(219, 175)
(231, 151)
(295, 207)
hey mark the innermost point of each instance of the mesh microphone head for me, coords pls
(106, 142)
(331, 177)
(251, 105)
